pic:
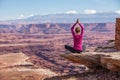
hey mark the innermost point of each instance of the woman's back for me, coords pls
(77, 36)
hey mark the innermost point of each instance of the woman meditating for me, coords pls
(77, 32)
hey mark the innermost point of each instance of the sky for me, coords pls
(17, 9)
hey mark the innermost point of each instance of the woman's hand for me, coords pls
(77, 21)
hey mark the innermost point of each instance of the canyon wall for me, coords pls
(53, 28)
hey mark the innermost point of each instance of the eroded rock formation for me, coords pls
(93, 60)
(117, 35)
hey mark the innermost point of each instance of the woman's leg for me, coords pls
(83, 49)
(70, 48)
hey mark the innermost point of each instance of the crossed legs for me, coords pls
(71, 49)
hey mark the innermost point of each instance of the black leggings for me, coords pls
(71, 49)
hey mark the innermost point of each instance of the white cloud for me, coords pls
(21, 16)
(118, 11)
(72, 12)
(30, 15)
(90, 11)
(17, 17)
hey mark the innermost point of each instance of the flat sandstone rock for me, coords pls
(109, 60)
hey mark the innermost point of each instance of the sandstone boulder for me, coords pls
(112, 62)
(93, 60)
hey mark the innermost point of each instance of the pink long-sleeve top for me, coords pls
(77, 37)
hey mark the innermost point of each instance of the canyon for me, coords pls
(43, 44)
